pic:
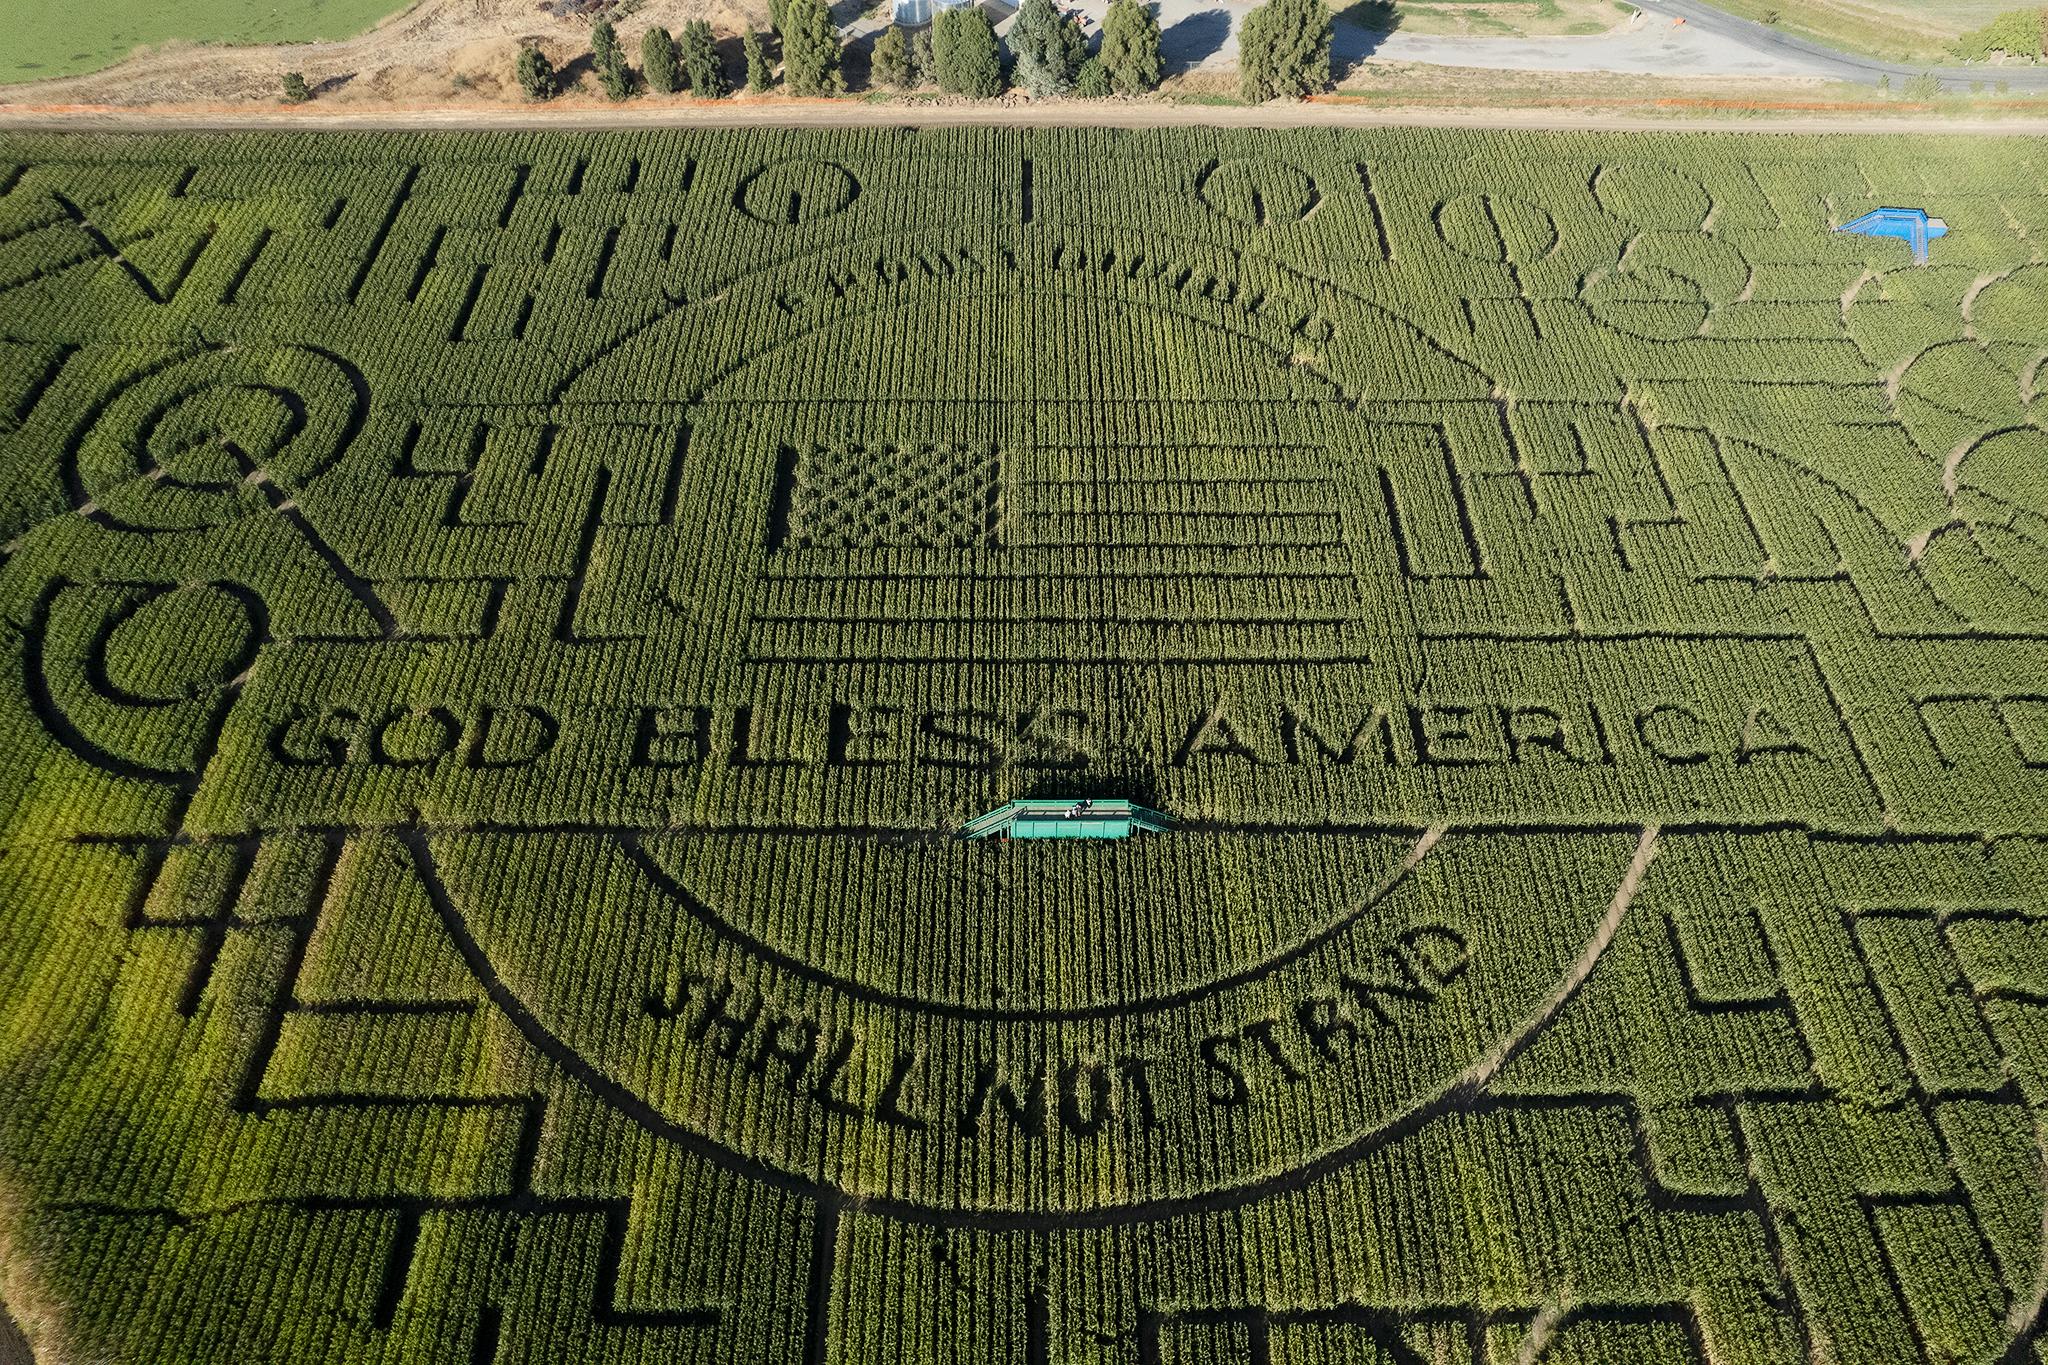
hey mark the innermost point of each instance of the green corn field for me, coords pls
(502, 632)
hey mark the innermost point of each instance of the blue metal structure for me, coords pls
(1911, 226)
(1081, 819)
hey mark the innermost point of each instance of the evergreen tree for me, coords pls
(1130, 47)
(536, 74)
(759, 74)
(778, 15)
(924, 67)
(810, 49)
(1284, 50)
(964, 53)
(612, 72)
(1092, 81)
(295, 91)
(700, 59)
(658, 62)
(891, 65)
(1049, 48)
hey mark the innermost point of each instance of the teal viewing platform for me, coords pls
(1080, 819)
(1911, 226)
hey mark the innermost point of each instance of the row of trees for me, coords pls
(1284, 50)
(961, 55)
(669, 64)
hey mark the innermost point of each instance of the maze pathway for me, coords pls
(501, 631)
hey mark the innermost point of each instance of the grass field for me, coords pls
(45, 40)
(1901, 30)
(502, 630)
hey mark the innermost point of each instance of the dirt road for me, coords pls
(1324, 113)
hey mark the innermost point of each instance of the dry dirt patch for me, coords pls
(437, 50)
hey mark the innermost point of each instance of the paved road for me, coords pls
(1833, 63)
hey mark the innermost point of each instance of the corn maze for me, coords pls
(501, 632)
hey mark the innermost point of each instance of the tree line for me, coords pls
(669, 63)
(1284, 48)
